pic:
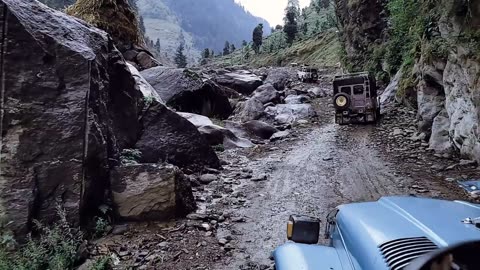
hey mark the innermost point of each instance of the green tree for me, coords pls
(226, 48)
(291, 20)
(232, 48)
(257, 37)
(158, 47)
(244, 43)
(206, 53)
(180, 58)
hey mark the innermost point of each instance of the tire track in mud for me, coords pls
(326, 167)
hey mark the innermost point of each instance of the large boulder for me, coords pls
(187, 91)
(440, 140)
(266, 93)
(252, 109)
(388, 97)
(168, 137)
(259, 129)
(297, 99)
(215, 134)
(430, 94)
(280, 78)
(151, 192)
(242, 81)
(70, 104)
(290, 113)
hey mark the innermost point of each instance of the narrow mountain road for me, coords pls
(328, 167)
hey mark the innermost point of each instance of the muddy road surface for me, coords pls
(326, 167)
(242, 214)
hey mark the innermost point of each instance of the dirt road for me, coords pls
(323, 169)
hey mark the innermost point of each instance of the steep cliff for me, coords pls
(435, 47)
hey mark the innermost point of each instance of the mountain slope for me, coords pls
(204, 24)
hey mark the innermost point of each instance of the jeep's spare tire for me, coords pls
(341, 101)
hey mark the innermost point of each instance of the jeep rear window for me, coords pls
(358, 89)
(346, 90)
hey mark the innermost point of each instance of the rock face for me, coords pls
(72, 110)
(151, 192)
(242, 81)
(448, 96)
(364, 24)
(187, 91)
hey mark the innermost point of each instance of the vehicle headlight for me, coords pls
(341, 101)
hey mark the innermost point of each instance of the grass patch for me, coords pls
(113, 16)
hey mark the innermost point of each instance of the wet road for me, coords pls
(326, 167)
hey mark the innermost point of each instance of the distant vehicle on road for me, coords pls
(393, 233)
(355, 98)
(307, 74)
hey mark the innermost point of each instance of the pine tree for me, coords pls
(206, 53)
(244, 43)
(180, 58)
(226, 48)
(291, 20)
(257, 38)
(232, 48)
(157, 45)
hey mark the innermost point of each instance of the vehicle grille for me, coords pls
(400, 252)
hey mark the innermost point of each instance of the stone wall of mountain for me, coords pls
(434, 51)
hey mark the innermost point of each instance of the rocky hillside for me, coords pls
(435, 48)
(200, 24)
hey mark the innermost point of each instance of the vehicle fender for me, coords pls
(293, 256)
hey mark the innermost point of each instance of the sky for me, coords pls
(271, 10)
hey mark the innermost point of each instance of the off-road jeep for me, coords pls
(307, 74)
(355, 98)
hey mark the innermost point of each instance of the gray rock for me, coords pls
(242, 81)
(294, 99)
(208, 178)
(279, 78)
(388, 97)
(289, 113)
(440, 139)
(187, 91)
(266, 93)
(252, 109)
(214, 134)
(317, 92)
(69, 105)
(169, 137)
(145, 60)
(280, 135)
(259, 129)
(150, 192)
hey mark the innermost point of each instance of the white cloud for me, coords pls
(271, 10)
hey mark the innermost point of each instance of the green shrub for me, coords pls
(130, 156)
(103, 263)
(55, 249)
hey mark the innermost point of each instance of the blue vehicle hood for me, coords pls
(365, 226)
(306, 257)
